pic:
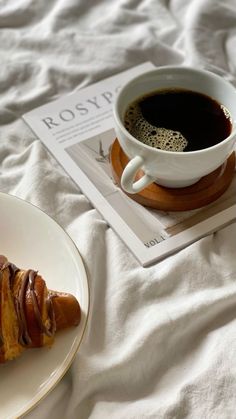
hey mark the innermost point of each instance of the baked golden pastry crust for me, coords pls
(30, 314)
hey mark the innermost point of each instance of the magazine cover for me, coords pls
(78, 131)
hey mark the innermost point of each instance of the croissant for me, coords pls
(30, 314)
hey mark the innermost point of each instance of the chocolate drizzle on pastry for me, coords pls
(28, 283)
(24, 337)
(30, 313)
(47, 330)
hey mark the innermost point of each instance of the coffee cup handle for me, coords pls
(129, 173)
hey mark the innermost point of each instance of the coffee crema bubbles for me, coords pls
(157, 137)
(177, 120)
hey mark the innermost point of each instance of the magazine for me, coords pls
(78, 130)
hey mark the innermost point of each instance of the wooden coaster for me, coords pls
(205, 191)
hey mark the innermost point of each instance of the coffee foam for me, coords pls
(226, 112)
(157, 137)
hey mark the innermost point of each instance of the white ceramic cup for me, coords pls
(168, 168)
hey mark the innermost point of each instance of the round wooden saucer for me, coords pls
(205, 191)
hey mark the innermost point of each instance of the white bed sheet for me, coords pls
(160, 341)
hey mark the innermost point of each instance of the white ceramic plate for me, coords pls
(31, 239)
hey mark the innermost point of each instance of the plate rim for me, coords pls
(43, 394)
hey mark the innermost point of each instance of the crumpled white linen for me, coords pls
(160, 341)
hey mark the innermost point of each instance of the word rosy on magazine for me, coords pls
(78, 130)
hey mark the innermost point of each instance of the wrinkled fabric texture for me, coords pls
(160, 341)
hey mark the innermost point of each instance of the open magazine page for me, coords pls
(78, 130)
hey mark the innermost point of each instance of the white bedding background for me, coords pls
(160, 341)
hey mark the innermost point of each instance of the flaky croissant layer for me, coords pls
(30, 314)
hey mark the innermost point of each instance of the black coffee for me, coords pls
(178, 120)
